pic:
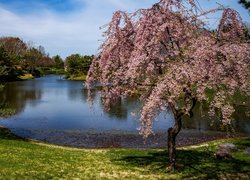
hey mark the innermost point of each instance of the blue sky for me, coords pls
(65, 27)
(30, 6)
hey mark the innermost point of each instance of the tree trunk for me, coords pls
(172, 133)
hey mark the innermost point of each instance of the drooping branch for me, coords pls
(175, 59)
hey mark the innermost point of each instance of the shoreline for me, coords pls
(116, 139)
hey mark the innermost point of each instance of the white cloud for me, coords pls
(64, 34)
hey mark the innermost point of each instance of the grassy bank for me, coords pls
(50, 70)
(41, 71)
(76, 77)
(26, 76)
(29, 159)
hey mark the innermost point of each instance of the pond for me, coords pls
(51, 102)
(55, 104)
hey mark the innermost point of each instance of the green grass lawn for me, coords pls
(28, 159)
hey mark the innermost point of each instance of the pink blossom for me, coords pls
(166, 54)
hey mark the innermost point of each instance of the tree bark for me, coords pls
(172, 133)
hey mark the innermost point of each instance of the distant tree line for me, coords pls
(18, 57)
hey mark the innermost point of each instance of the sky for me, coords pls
(66, 27)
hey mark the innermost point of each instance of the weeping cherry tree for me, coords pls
(168, 56)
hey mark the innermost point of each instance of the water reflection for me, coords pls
(120, 108)
(202, 121)
(17, 95)
(53, 103)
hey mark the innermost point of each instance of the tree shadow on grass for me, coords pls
(204, 164)
(158, 161)
(243, 143)
(191, 164)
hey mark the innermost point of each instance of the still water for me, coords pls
(52, 103)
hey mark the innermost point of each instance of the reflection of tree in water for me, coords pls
(5, 111)
(119, 109)
(75, 94)
(15, 96)
(74, 90)
(80, 92)
(202, 121)
(93, 94)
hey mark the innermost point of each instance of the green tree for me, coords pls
(245, 3)
(77, 64)
(31, 59)
(6, 64)
(72, 63)
(58, 62)
(85, 63)
(24, 57)
(15, 47)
